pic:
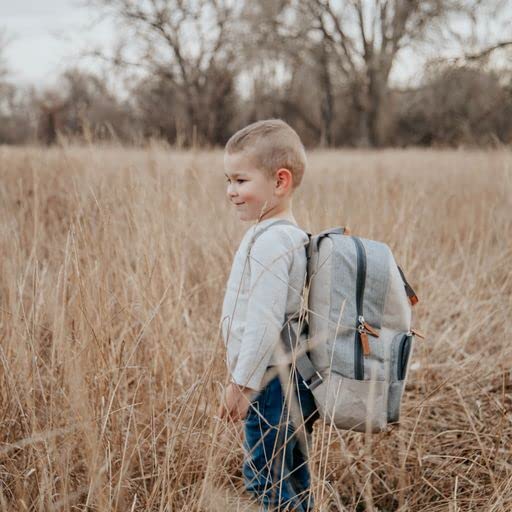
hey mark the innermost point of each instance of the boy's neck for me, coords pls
(283, 212)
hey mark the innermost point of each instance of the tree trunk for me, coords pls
(374, 105)
(361, 105)
(377, 94)
(327, 101)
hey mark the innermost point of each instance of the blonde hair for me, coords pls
(272, 144)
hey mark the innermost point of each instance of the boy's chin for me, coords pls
(245, 217)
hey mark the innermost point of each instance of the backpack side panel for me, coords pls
(397, 309)
(319, 305)
(397, 316)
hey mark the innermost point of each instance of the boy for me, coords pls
(264, 164)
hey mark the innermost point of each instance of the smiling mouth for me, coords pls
(239, 204)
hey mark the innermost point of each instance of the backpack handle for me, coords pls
(315, 240)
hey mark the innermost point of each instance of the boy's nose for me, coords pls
(231, 191)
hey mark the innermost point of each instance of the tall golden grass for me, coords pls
(113, 266)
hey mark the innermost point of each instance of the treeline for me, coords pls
(206, 68)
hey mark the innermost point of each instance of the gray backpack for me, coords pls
(360, 339)
(356, 343)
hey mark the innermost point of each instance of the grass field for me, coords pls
(113, 266)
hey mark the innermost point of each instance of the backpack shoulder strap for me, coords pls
(261, 231)
(307, 371)
(413, 298)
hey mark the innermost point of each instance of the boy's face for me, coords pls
(250, 190)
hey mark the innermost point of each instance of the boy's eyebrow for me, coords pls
(234, 175)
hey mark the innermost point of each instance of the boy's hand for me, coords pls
(235, 402)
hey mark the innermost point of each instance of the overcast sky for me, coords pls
(48, 36)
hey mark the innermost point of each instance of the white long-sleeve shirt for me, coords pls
(261, 290)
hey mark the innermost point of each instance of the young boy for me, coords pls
(264, 164)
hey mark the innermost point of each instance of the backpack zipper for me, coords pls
(360, 284)
(404, 349)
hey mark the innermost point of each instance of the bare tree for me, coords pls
(161, 111)
(349, 44)
(50, 119)
(283, 69)
(3, 46)
(345, 50)
(5, 87)
(365, 36)
(16, 121)
(455, 105)
(83, 107)
(186, 43)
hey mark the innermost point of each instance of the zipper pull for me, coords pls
(417, 333)
(370, 330)
(365, 343)
(363, 329)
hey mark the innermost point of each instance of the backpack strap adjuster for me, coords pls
(413, 298)
(313, 382)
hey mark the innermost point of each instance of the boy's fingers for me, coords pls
(232, 414)
(235, 412)
(239, 413)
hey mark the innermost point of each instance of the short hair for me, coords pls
(273, 144)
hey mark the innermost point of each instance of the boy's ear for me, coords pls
(284, 179)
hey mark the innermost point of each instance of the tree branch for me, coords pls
(487, 51)
(345, 41)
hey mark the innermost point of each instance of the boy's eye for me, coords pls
(238, 181)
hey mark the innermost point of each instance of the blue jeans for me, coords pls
(271, 437)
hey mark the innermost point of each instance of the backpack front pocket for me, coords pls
(400, 355)
(353, 404)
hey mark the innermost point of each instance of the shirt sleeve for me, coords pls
(270, 261)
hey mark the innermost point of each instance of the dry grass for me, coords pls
(113, 264)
